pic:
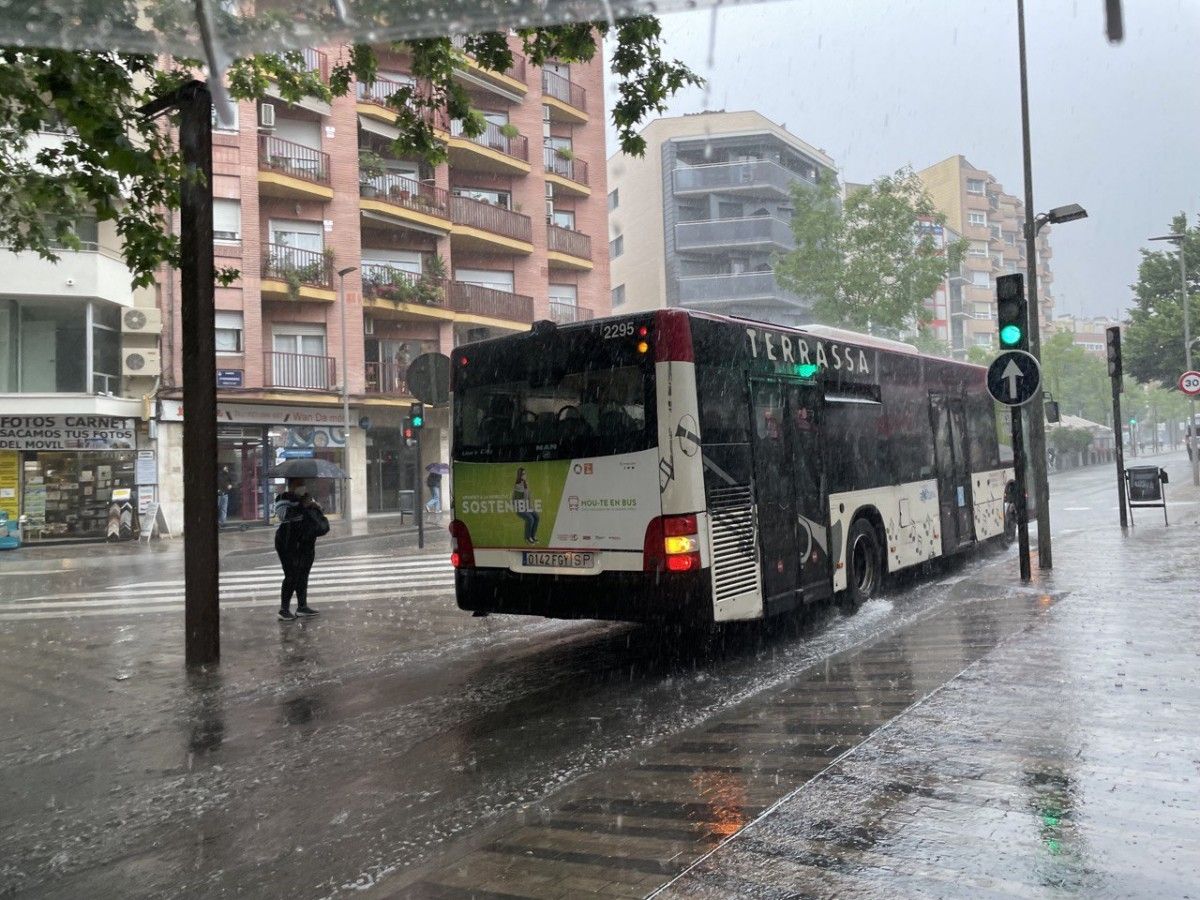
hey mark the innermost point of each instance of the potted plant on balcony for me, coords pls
(564, 153)
(371, 168)
(509, 130)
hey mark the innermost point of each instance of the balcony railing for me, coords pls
(494, 138)
(573, 169)
(564, 240)
(486, 301)
(278, 155)
(741, 286)
(758, 176)
(554, 85)
(742, 232)
(485, 216)
(300, 370)
(389, 283)
(379, 93)
(566, 313)
(516, 70)
(297, 266)
(402, 190)
(386, 378)
(316, 61)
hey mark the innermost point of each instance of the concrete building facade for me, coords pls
(697, 221)
(976, 207)
(509, 231)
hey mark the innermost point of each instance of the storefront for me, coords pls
(71, 474)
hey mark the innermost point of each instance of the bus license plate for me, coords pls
(558, 559)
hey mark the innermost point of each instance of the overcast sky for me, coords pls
(878, 85)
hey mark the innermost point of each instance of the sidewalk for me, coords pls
(1065, 759)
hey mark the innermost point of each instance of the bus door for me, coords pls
(790, 493)
(949, 419)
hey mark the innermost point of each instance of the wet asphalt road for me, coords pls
(375, 744)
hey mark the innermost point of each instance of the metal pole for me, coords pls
(201, 562)
(1018, 439)
(1120, 454)
(345, 393)
(1037, 425)
(1187, 346)
(418, 493)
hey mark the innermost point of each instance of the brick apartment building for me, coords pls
(505, 233)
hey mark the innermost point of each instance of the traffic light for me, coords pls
(410, 434)
(1133, 423)
(1012, 312)
(416, 414)
(1112, 337)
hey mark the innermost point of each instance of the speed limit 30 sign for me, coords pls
(1189, 383)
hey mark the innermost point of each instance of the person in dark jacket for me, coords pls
(301, 522)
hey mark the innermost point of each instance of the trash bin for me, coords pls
(1144, 488)
(408, 504)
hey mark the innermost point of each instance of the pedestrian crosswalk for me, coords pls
(338, 580)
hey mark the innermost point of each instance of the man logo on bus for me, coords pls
(785, 348)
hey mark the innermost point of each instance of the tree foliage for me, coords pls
(1152, 344)
(867, 262)
(118, 166)
(1069, 440)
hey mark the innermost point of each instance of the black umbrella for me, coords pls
(308, 468)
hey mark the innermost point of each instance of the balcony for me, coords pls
(385, 379)
(374, 102)
(509, 84)
(292, 171)
(500, 150)
(714, 290)
(92, 272)
(399, 200)
(567, 313)
(295, 274)
(316, 61)
(719, 235)
(568, 249)
(485, 305)
(569, 175)
(760, 178)
(299, 371)
(566, 100)
(485, 228)
(395, 293)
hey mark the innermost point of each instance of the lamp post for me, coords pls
(1177, 240)
(342, 273)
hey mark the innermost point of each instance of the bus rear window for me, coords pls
(564, 415)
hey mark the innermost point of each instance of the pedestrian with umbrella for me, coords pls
(301, 522)
(434, 482)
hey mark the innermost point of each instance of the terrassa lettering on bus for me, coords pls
(500, 505)
(785, 348)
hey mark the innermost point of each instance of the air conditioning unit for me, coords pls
(266, 115)
(368, 325)
(141, 364)
(141, 321)
(550, 211)
(549, 190)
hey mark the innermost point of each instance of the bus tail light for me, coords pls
(462, 551)
(672, 544)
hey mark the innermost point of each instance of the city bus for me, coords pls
(679, 466)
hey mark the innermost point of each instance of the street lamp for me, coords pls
(1177, 240)
(342, 273)
(1058, 215)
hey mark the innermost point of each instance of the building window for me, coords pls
(983, 340)
(618, 296)
(975, 186)
(613, 199)
(43, 347)
(981, 279)
(616, 246)
(503, 199)
(995, 231)
(1010, 238)
(299, 234)
(565, 218)
(983, 310)
(977, 219)
(229, 332)
(489, 278)
(978, 248)
(222, 123)
(227, 220)
(564, 303)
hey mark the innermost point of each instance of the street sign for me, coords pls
(1014, 377)
(1189, 383)
(428, 378)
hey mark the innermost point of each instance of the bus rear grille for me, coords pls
(735, 560)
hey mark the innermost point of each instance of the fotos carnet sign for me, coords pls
(66, 433)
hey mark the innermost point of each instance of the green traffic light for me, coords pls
(417, 422)
(1010, 335)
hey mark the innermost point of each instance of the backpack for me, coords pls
(316, 521)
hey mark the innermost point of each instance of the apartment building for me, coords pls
(510, 230)
(976, 207)
(938, 304)
(78, 350)
(1088, 333)
(697, 221)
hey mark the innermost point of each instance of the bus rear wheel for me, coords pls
(864, 566)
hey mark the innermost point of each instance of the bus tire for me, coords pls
(864, 566)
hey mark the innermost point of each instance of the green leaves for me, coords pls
(1153, 345)
(866, 263)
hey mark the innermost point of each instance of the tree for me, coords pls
(932, 345)
(867, 263)
(1078, 380)
(1153, 342)
(119, 167)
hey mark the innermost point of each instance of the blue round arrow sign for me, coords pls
(1014, 377)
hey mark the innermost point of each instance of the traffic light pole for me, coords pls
(1120, 448)
(1018, 439)
(418, 493)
